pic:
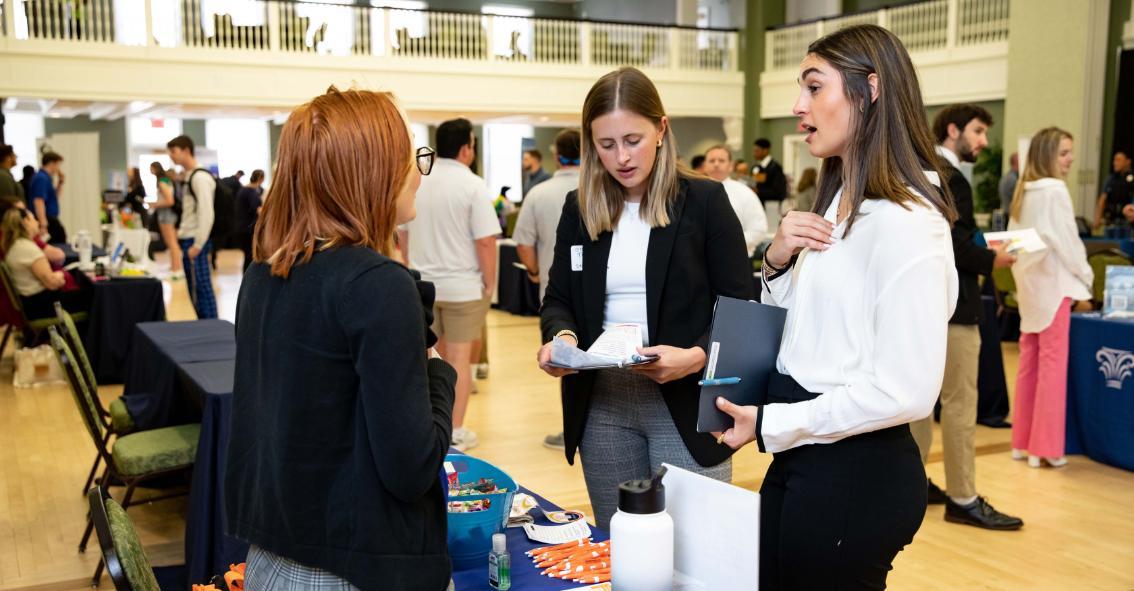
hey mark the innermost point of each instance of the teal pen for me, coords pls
(719, 382)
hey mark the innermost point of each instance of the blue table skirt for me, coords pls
(1100, 390)
(117, 306)
(151, 392)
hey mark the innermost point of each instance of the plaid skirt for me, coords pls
(268, 571)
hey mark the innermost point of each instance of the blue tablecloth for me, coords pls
(208, 551)
(1100, 390)
(151, 392)
(525, 575)
(116, 307)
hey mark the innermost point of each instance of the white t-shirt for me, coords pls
(539, 218)
(197, 214)
(454, 209)
(867, 325)
(750, 211)
(626, 272)
(20, 258)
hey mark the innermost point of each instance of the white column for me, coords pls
(273, 26)
(585, 43)
(951, 24)
(149, 16)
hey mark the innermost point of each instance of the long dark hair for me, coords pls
(158, 170)
(890, 145)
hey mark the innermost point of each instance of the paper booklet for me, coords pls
(616, 347)
(1017, 241)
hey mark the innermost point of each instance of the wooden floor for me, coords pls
(1079, 531)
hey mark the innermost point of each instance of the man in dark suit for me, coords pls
(771, 184)
(960, 131)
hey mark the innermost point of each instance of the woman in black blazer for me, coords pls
(640, 242)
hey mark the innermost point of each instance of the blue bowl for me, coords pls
(470, 534)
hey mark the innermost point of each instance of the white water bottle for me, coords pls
(641, 537)
(84, 246)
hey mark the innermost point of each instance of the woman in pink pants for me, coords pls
(1048, 283)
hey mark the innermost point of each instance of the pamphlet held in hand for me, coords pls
(1024, 241)
(616, 347)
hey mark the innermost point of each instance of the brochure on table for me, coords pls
(1118, 293)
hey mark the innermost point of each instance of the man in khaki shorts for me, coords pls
(452, 243)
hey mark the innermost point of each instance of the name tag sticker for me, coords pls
(577, 257)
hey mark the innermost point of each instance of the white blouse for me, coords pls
(1044, 278)
(866, 325)
(626, 272)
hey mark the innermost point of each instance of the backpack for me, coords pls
(223, 203)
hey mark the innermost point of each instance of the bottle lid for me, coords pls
(499, 543)
(642, 497)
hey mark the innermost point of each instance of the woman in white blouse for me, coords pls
(1047, 282)
(870, 284)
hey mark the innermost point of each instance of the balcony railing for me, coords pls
(335, 28)
(924, 26)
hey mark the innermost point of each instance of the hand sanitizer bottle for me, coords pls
(500, 564)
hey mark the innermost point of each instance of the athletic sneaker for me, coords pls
(554, 441)
(482, 371)
(176, 275)
(464, 439)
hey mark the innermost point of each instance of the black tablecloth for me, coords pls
(992, 401)
(515, 292)
(72, 256)
(151, 392)
(208, 551)
(117, 306)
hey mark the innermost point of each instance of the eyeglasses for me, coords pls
(425, 156)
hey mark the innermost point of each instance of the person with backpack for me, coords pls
(196, 224)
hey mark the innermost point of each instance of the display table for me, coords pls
(117, 306)
(151, 393)
(71, 256)
(515, 293)
(1100, 390)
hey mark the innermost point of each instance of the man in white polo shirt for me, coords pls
(745, 202)
(452, 243)
(539, 219)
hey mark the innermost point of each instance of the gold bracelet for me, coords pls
(568, 332)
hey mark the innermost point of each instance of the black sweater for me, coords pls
(340, 424)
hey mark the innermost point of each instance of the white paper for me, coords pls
(577, 258)
(1018, 241)
(615, 347)
(716, 531)
(557, 534)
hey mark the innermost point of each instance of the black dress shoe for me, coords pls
(935, 495)
(980, 514)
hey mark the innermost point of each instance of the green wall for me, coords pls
(760, 15)
(696, 134)
(1119, 15)
(544, 141)
(195, 129)
(111, 141)
(1047, 84)
(273, 143)
(994, 108)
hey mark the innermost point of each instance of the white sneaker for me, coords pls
(1019, 454)
(481, 371)
(176, 275)
(1038, 461)
(464, 439)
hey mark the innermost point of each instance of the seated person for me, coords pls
(38, 285)
(55, 255)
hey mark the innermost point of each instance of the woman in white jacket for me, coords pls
(1047, 284)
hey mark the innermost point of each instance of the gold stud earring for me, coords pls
(659, 143)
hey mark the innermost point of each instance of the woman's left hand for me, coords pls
(673, 363)
(1083, 306)
(743, 429)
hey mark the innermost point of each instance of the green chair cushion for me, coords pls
(157, 450)
(129, 549)
(120, 420)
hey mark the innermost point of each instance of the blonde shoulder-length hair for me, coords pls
(1043, 154)
(601, 197)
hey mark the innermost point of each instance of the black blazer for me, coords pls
(698, 256)
(774, 187)
(971, 259)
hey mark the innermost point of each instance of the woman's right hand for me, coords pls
(544, 358)
(798, 230)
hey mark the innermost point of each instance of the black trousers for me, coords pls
(56, 230)
(834, 516)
